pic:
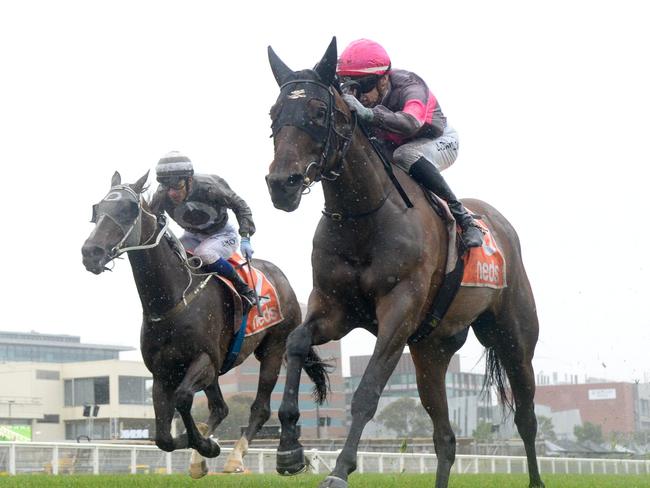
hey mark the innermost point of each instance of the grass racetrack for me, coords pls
(311, 481)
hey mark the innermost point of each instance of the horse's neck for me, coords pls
(363, 182)
(159, 276)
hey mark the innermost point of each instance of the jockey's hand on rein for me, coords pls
(355, 105)
(246, 248)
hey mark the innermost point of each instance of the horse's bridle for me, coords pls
(131, 233)
(342, 145)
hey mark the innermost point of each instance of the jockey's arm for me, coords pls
(406, 122)
(400, 123)
(226, 196)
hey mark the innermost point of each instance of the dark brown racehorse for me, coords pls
(377, 265)
(188, 322)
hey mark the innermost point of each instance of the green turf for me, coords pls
(356, 481)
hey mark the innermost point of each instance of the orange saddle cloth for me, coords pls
(268, 297)
(485, 265)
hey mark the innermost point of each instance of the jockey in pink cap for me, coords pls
(408, 118)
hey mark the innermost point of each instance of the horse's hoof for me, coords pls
(198, 470)
(208, 448)
(291, 462)
(215, 449)
(233, 466)
(333, 482)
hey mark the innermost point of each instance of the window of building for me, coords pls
(43, 374)
(135, 390)
(86, 391)
(76, 428)
(49, 418)
(645, 407)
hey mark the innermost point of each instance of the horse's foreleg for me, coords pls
(199, 375)
(290, 456)
(395, 315)
(431, 358)
(261, 408)
(164, 406)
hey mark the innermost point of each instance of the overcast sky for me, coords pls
(551, 101)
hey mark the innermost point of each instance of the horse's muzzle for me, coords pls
(285, 191)
(94, 258)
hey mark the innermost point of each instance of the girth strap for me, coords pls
(235, 347)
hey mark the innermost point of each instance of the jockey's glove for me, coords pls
(364, 113)
(246, 248)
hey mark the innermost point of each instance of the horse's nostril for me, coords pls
(91, 251)
(295, 179)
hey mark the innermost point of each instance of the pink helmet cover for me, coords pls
(363, 57)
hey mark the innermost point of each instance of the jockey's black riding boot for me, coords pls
(225, 269)
(426, 174)
(245, 291)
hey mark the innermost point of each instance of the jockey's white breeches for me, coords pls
(441, 152)
(212, 247)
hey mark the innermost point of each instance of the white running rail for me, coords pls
(87, 458)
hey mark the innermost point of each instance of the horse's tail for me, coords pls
(318, 371)
(495, 375)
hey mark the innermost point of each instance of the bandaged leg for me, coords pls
(235, 462)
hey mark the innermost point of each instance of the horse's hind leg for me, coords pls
(513, 337)
(217, 406)
(522, 381)
(270, 364)
(199, 376)
(431, 359)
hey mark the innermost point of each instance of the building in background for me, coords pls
(48, 379)
(53, 348)
(46, 401)
(615, 406)
(468, 405)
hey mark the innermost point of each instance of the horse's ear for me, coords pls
(138, 186)
(280, 70)
(326, 67)
(116, 180)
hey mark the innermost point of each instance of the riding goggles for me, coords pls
(173, 183)
(364, 84)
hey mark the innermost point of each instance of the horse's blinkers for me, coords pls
(295, 96)
(129, 223)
